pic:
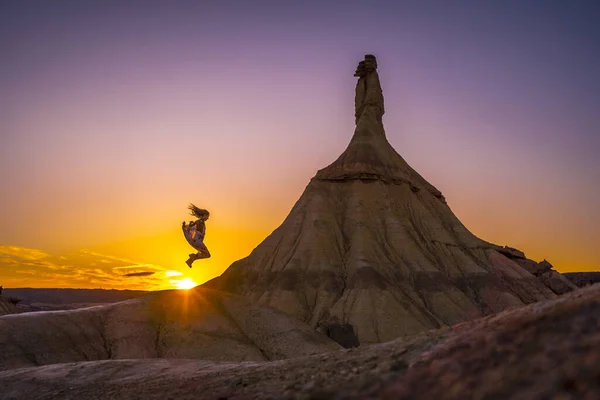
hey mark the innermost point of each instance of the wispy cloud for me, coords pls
(140, 274)
(22, 267)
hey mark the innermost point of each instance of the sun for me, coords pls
(185, 284)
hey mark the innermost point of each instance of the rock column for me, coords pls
(368, 89)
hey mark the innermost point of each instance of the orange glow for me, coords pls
(170, 250)
(185, 284)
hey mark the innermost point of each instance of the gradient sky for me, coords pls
(114, 115)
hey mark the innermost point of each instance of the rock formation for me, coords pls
(543, 271)
(582, 279)
(371, 251)
(195, 324)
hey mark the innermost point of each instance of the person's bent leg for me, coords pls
(203, 251)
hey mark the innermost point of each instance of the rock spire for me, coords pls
(371, 251)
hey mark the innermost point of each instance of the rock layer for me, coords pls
(371, 251)
(196, 324)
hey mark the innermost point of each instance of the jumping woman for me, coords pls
(194, 233)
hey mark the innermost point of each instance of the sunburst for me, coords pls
(185, 284)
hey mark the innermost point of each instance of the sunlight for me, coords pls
(185, 284)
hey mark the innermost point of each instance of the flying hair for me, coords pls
(198, 212)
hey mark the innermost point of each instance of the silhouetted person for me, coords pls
(194, 233)
(1, 290)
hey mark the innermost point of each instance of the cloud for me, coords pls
(140, 274)
(23, 267)
(22, 253)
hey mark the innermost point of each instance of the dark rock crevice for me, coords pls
(341, 333)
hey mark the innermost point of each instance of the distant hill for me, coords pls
(54, 299)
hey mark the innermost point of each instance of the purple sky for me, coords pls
(115, 114)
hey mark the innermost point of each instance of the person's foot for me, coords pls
(189, 262)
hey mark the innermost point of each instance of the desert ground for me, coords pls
(546, 350)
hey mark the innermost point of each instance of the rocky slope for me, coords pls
(7, 306)
(548, 350)
(198, 324)
(582, 279)
(544, 271)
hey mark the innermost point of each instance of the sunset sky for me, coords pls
(114, 115)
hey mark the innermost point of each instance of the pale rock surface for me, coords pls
(196, 324)
(371, 251)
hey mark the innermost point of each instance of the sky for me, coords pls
(114, 115)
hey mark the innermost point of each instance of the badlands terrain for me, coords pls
(370, 288)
